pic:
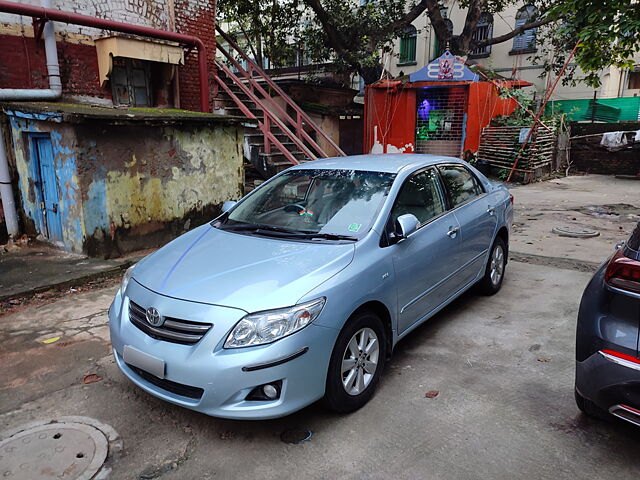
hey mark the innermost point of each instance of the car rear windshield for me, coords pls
(335, 201)
(634, 241)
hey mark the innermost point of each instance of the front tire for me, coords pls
(357, 361)
(491, 282)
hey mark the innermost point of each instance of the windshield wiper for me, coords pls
(282, 232)
(254, 227)
(302, 235)
(329, 236)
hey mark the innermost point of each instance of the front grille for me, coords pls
(172, 330)
(173, 387)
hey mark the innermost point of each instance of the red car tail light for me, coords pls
(623, 273)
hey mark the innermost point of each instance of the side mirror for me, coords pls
(405, 225)
(228, 205)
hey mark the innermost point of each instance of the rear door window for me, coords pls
(460, 183)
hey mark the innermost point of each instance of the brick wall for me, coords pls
(195, 17)
(22, 65)
(22, 62)
(587, 155)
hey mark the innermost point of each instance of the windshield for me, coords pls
(331, 202)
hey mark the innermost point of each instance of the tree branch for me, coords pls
(333, 35)
(410, 16)
(514, 32)
(474, 12)
(437, 20)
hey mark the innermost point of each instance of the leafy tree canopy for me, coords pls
(352, 36)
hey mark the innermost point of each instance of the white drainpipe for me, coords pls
(18, 94)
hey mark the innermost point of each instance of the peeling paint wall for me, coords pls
(126, 187)
(24, 127)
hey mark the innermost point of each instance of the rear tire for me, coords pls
(589, 408)
(357, 361)
(491, 282)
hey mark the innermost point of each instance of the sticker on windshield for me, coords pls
(354, 227)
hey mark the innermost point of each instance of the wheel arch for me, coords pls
(503, 233)
(381, 310)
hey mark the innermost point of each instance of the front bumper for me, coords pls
(209, 379)
(608, 383)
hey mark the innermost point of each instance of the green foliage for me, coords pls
(366, 30)
(352, 36)
(608, 32)
(267, 29)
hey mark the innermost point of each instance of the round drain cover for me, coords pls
(56, 450)
(574, 231)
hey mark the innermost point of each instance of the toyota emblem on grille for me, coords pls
(153, 317)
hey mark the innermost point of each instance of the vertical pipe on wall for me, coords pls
(53, 93)
(6, 192)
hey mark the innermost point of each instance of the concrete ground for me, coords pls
(502, 368)
(597, 202)
(30, 268)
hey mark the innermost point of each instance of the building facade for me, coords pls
(124, 158)
(108, 68)
(510, 59)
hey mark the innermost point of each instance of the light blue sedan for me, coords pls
(300, 291)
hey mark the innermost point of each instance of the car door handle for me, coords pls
(491, 209)
(453, 231)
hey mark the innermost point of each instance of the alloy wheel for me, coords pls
(360, 361)
(497, 265)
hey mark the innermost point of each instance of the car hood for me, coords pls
(253, 273)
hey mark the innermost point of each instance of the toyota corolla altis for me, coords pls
(300, 291)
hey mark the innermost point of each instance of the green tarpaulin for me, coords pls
(602, 110)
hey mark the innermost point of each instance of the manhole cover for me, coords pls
(575, 232)
(57, 450)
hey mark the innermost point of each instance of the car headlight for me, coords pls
(271, 325)
(125, 279)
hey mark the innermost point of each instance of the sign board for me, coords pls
(524, 133)
(447, 67)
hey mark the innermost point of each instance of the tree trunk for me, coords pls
(370, 74)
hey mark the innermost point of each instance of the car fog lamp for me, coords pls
(270, 391)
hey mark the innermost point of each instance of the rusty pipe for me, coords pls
(87, 21)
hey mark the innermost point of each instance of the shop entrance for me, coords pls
(440, 120)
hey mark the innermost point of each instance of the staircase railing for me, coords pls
(254, 72)
(269, 117)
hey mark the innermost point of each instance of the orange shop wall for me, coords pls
(390, 113)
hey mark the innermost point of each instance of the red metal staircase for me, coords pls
(285, 135)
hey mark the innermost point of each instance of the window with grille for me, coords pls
(634, 80)
(408, 45)
(484, 31)
(131, 82)
(526, 41)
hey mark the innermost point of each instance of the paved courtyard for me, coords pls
(499, 371)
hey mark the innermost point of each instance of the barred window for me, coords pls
(484, 31)
(408, 45)
(526, 41)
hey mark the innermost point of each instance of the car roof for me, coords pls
(390, 163)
